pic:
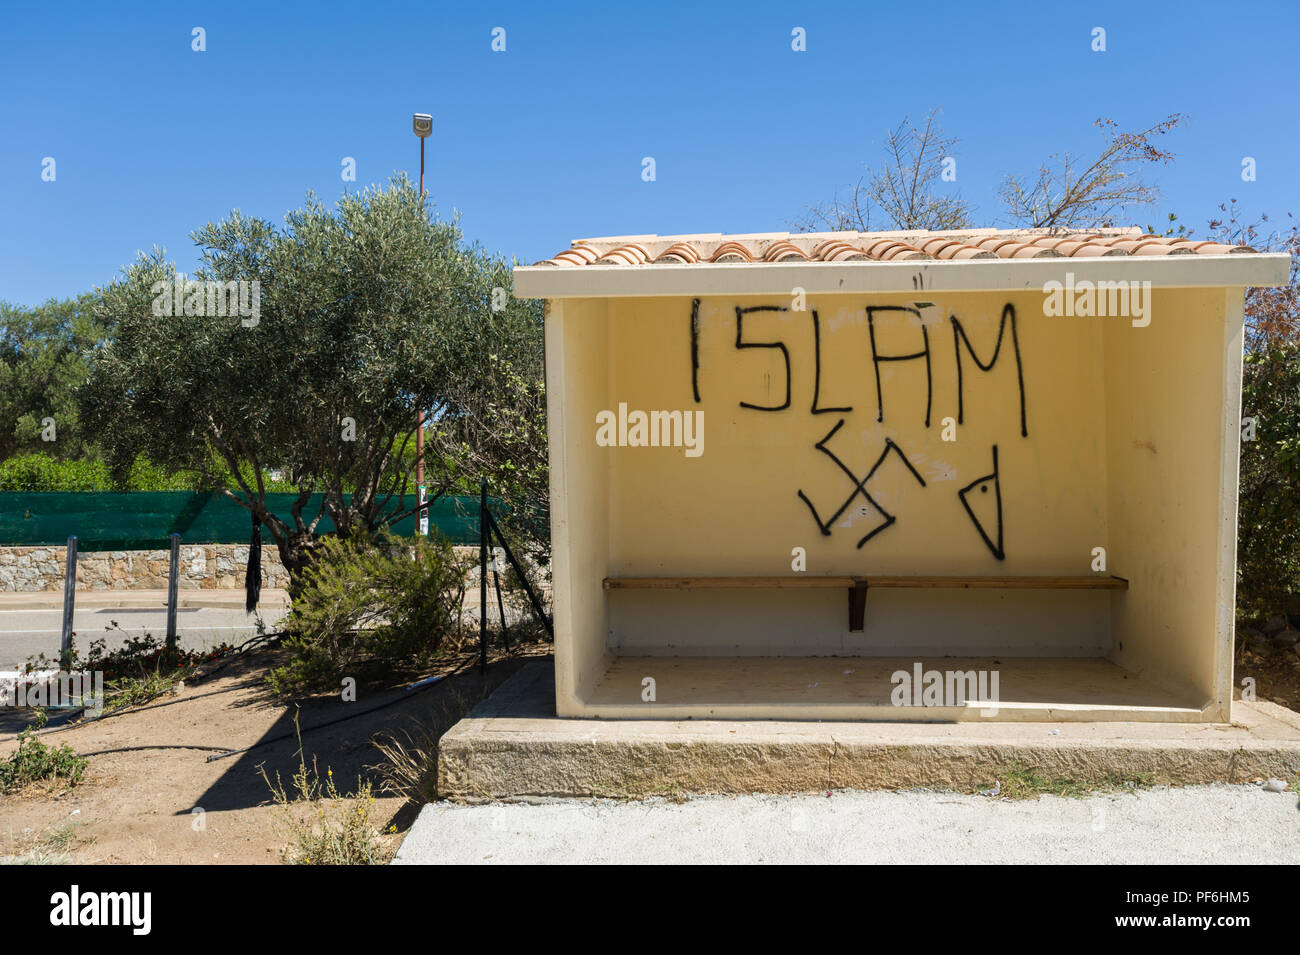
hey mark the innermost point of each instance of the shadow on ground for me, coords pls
(347, 747)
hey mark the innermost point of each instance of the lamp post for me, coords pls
(422, 124)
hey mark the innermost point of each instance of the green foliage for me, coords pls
(368, 312)
(367, 608)
(34, 761)
(42, 363)
(138, 670)
(1268, 524)
(506, 443)
(44, 472)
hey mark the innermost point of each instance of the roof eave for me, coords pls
(971, 275)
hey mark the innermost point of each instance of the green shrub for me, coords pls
(369, 608)
(141, 669)
(1268, 537)
(33, 762)
(42, 472)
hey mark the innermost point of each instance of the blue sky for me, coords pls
(544, 142)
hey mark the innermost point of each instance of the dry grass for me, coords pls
(324, 827)
(51, 847)
(410, 767)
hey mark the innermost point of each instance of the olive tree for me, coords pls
(42, 363)
(307, 350)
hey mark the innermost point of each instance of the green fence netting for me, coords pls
(144, 520)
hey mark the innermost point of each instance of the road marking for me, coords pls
(83, 633)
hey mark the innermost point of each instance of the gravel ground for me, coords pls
(1196, 824)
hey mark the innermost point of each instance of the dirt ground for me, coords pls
(138, 805)
(1276, 675)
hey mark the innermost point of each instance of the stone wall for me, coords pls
(203, 567)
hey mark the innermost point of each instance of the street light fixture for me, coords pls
(422, 126)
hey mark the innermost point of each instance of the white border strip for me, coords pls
(1242, 269)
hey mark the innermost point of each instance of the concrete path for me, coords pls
(1197, 824)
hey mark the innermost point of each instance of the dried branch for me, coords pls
(1066, 194)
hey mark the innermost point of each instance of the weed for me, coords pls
(411, 769)
(1019, 781)
(33, 762)
(324, 826)
(143, 668)
(411, 766)
(51, 848)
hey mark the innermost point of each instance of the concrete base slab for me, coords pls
(512, 746)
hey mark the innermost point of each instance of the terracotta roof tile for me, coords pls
(679, 253)
(889, 249)
(783, 251)
(731, 252)
(1006, 247)
(578, 255)
(833, 250)
(630, 254)
(866, 247)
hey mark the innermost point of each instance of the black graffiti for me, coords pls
(859, 486)
(877, 358)
(959, 336)
(695, 349)
(740, 326)
(990, 528)
(982, 483)
(817, 369)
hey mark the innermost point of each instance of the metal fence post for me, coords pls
(69, 603)
(501, 609)
(173, 583)
(482, 576)
(528, 588)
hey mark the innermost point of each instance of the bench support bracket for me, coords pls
(857, 605)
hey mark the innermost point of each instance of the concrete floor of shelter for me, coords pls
(1033, 687)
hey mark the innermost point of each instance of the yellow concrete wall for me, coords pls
(1173, 412)
(735, 509)
(577, 386)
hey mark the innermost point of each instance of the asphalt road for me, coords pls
(25, 633)
(1195, 824)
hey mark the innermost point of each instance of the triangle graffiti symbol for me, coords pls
(983, 485)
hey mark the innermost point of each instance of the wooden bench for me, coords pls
(857, 587)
